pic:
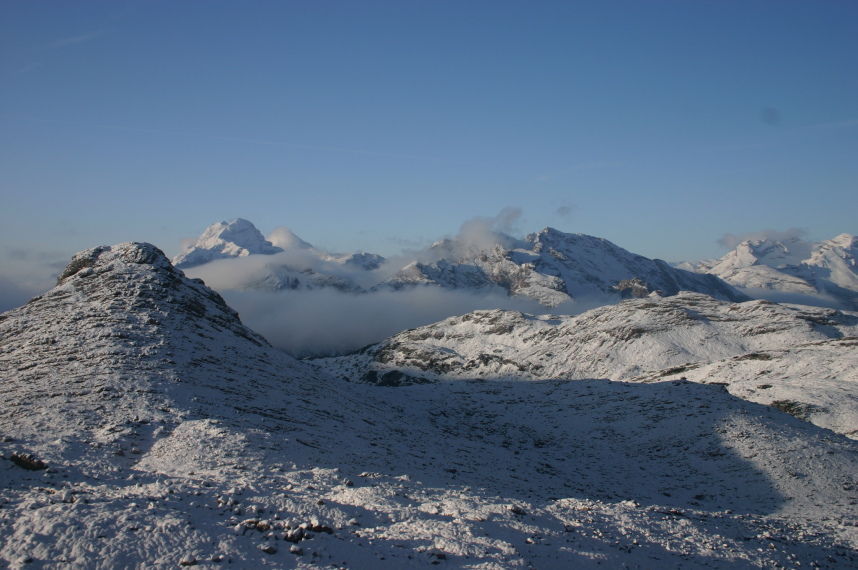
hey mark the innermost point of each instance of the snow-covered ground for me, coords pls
(802, 359)
(145, 426)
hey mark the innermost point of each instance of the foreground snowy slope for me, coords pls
(145, 426)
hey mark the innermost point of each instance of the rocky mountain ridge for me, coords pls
(550, 267)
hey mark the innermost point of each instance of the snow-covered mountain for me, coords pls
(635, 340)
(826, 269)
(144, 425)
(282, 262)
(552, 267)
(237, 238)
(549, 267)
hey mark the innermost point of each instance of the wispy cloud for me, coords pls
(25, 70)
(565, 171)
(258, 141)
(83, 38)
(564, 211)
(730, 241)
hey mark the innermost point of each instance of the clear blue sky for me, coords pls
(378, 125)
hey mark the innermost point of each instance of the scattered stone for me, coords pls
(262, 526)
(294, 535)
(516, 510)
(269, 548)
(29, 462)
(437, 554)
(322, 528)
(188, 560)
(296, 550)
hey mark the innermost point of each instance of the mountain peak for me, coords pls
(106, 257)
(237, 238)
(846, 241)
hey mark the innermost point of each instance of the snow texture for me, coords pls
(145, 426)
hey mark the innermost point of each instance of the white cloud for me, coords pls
(325, 321)
(730, 241)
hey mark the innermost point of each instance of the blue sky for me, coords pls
(377, 126)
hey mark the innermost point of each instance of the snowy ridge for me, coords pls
(552, 267)
(828, 268)
(145, 426)
(662, 338)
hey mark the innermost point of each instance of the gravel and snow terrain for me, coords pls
(145, 426)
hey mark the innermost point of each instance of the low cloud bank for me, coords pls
(730, 241)
(325, 322)
(819, 300)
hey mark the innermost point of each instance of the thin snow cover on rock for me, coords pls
(145, 426)
(786, 268)
(764, 352)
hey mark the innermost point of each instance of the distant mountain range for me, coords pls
(550, 267)
(813, 272)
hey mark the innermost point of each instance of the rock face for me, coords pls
(826, 269)
(237, 238)
(552, 267)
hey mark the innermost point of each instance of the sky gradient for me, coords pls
(377, 126)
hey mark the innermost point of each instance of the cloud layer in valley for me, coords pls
(325, 321)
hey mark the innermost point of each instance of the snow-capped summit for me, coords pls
(826, 269)
(301, 267)
(237, 238)
(552, 267)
